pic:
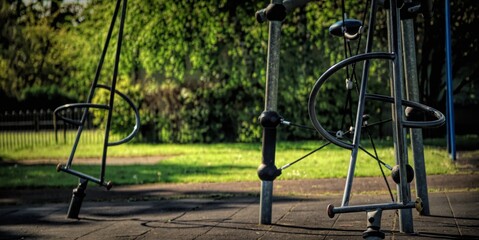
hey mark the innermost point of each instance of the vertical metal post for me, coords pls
(360, 111)
(412, 93)
(451, 138)
(112, 91)
(92, 88)
(404, 195)
(269, 134)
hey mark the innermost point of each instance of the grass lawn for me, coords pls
(190, 163)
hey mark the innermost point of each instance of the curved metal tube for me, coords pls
(76, 105)
(323, 78)
(357, 58)
(102, 106)
(136, 128)
(441, 119)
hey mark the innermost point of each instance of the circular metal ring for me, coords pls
(101, 106)
(357, 58)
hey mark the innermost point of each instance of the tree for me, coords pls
(196, 69)
(33, 42)
(464, 48)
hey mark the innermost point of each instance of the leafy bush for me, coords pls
(197, 69)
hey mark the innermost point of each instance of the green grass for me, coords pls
(192, 163)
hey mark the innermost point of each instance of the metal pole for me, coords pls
(112, 92)
(404, 195)
(451, 138)
(412, 93)
(360, 111)
(269, 131)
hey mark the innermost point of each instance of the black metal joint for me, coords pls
(275, 12)
(409, 10)
(268, 172)
(77, 199)
(270, 119)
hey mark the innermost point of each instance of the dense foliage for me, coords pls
(196, 69)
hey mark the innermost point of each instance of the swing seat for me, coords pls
(352, 28)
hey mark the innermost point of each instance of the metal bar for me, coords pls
(413, 124)
(405, 215)
(93, 86)
(271, 95)
(266, 202)
(383, 206)
(412, 93)
(360, 111)
(113, 89)
(80, 175)
(451, 138)
(305, 156)
(272, 72)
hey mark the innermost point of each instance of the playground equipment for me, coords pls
(79, 192)
(451, 130)
(349, 136)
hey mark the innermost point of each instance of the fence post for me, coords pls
(28, 128)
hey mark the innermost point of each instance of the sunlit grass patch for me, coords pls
(194, 163)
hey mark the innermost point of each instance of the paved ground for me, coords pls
(231, 211)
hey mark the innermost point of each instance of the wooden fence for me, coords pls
(34, 128)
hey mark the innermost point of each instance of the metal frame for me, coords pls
(404, 203)
(78, 193)
(395, 56)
